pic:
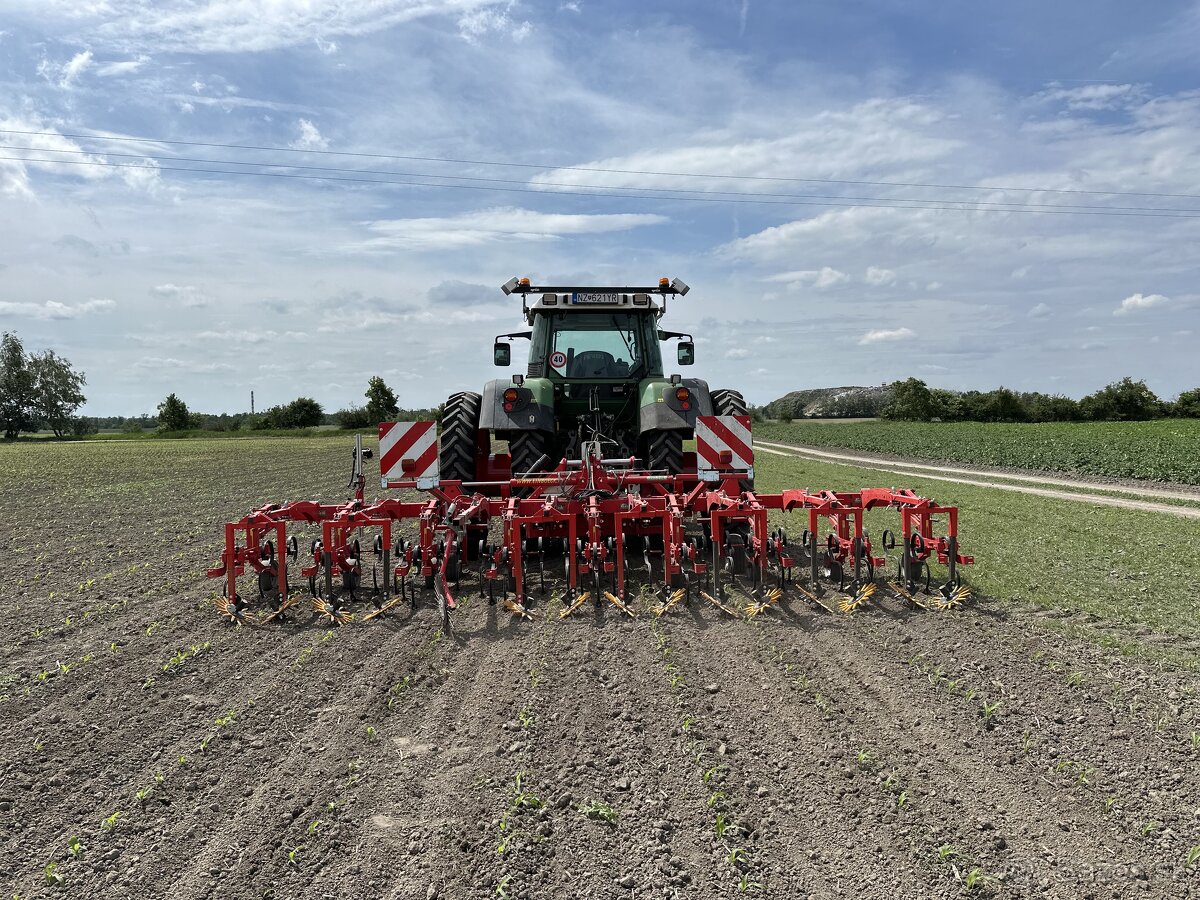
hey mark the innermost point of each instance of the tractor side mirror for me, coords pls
(686, 353)
(502, 354)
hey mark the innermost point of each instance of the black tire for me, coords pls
(526, 448)
(664, 451)
(460, 436)
(728, 402)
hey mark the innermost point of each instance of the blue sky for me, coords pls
(212, 285)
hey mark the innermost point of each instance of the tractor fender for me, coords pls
(533, 409)
(660, 410)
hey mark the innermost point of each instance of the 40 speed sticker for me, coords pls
(558, 359)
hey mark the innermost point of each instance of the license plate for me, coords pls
(589, 298)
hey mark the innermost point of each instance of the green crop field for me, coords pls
(1164, 450)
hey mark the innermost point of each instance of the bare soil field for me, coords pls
(147, 749)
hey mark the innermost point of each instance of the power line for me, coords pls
(876, 203)
(600, 187)
(609, 171)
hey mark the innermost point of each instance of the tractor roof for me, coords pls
(577, 297)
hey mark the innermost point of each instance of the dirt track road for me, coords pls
(888, 755)
(1025, 484)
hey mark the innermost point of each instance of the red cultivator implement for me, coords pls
(607, 530)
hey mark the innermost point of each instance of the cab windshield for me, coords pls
(595, 345)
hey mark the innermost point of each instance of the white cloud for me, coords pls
(121, 67)
(75, 67)
(737, 353)
(327, 47)
(824, 277)
(884, 335)
(53, 309)
(880, 277)
(201, 367)
(1040, 311)
(310, 137)
(231, 26)
(1092, 96)
(1138, 301)
(186, 294)
(478, 23)
(496, 224)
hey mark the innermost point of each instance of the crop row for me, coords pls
(1158, 451)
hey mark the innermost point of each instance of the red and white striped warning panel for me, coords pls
(723, 443)
(408, 451)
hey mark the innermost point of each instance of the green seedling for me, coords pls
(293, 856)
(1109, 803)
(976, 879)
(724, 826)
(522, 798)
(159, 778)
(988, 710)
(54, 878)
(502, 887)
(715, 799)
(75, 847)
(902, 798)
(737, 857)
(1075, 679)
(1027, 742)
(711, 774)
(1195, 740)
(525, 718)
(866, 759)
(745, 885)
(372, 734)
(599, 811)
(141, 795)
(947, 851)
(38, 745)
(1191, 857)
(1149, 827)
(314, 825)
(111, 822)
(1084, 776)
(228, 719)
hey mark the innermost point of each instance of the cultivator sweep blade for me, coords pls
(598, 525)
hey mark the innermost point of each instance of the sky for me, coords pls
(972, 194)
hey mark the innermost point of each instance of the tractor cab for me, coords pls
(596, 373)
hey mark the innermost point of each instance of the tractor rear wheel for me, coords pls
(526, 448)
(728, 402)
(664, 450)
(460, 436)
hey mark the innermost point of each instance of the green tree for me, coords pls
(57, 390)
(911, 401)
(1187, 404)
(355, 417)
(173, 414)
(16, 387)
(1122, 401)
(381, 402)
(303, 412)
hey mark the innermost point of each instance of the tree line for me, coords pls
(42, 391)
(1121, 401)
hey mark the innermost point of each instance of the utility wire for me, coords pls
(873, 203)
(609, 171)
(550, 186)
(877, 203)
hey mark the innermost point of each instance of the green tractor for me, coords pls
(595, 373)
